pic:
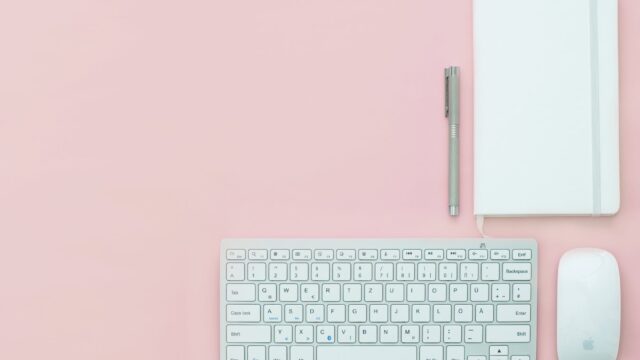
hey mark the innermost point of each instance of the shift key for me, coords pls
(508, 333)
(248, 333)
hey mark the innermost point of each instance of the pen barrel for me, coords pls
(454, 168)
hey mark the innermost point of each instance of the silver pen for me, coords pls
(452, 113)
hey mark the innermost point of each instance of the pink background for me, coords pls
(134, 135)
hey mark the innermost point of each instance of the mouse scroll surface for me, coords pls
(588, 305)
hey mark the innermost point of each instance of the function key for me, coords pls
(260, 254)
(323, 254)
(434, 254)
(412, 254)
(478, 254)
(368, 254)
(236, 254)
(346, 254)
(390, 254)
(522, 254)
(456, 254)
(279, 254)
(302, 254)
(499, 254)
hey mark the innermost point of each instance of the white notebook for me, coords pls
(546, 107)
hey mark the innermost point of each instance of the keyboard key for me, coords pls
(513, 313)
(357, 313)
(309, 292)
(235, 271)
(304, 334)
(256, 353)
(499, 350)
(437, 292)
(257, 271)
(277, 271)
(236, 254)
(452, 333)
(320, 271)
(378, 313)
(299, 271)
(388, 334)
(469, 271)
(463, 313)
(405, 271)
(272, 313)
(325, 334)
(499, 254)
(394, 292)
(508, 333)
(331, 292)
(455, 352)
(280, 254)
(293, 313)
(516, 271)
(336, 313)
(458, 292)
(288, 292)
(521, 254)
(323, 254)
(420, 313)
(373, 292)
(352, 292)
(441, 313)
(390, 254)
(368, 254)
(248, 333)
(362, 271)
(434, 254)
(243, 313)
(500, 292)
(478, 254)
(235, 352)
(412, 254)
(341, 271)
(367, 334)
(448, 272)
(431, 352)
(416, 292)
(384, 271)
(426, 271)
(473, 334)
(479, 292)
(302, 353)
(456, 254)
(490, 271)
(521, 292)
(431, 334)
(267, 292)
(410, 334)
(346, 334)
(277, 353)
(258, 254)
(400, 313)
(366, 352)
(302, 254)
(241, 292)
(346, 254)
(484, 313)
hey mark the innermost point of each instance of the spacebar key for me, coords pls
(366, 352)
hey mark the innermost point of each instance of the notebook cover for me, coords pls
(546, 107)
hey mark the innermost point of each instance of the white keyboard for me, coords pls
(378, 299)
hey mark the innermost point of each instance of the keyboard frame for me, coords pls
(510, 244)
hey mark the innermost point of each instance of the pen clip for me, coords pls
(447, 73)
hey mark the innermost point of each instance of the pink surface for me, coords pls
(134, 135)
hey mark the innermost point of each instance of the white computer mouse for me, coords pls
(588, 305)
